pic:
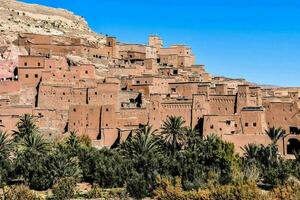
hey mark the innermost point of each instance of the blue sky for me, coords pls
(254, 39)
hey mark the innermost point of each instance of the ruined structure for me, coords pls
(114, 87)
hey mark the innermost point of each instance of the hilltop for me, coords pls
(18, 17)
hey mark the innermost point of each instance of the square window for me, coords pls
(36, 76)
(26, 76)
(246, 124)
(254, 124)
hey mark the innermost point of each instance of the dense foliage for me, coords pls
(174, 163)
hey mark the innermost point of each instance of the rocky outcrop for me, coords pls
(17, 17)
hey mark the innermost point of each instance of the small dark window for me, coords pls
(86, 72)
(50, 67)
(26, 76)
(246, 124)
(106, 124)
(0, 120)
(39, 64)
(74, 110)
(96, 93)
(64, 93)
(25, 64)
(228, 122)
(36, 75)
(211, 126)
(254, 124)
(106, 109)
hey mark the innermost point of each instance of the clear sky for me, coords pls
(254, 39)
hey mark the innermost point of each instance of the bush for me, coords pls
(85, 140)
(19, 192)
(95, 192)
(277, 174)
(111, 169)
(166, 190)
(64, 189)
(245, 191)
(137, 186)
(116, 193)
(290, 191)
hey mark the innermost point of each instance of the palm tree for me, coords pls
(173, 132)
(275, 134)
(251, 151)
(34, 142)
(73, 141)
(190, 132)
(5, 145)
(26, 126)
(193, 138)
(143, 143)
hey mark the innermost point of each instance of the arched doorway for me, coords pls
(293, 145)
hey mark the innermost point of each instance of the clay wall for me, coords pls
(85, 120)
(253, 121)
(9, 116)
(9, 86)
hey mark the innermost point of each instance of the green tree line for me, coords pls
(174, 161)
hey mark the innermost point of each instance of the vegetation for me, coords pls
(174, 164)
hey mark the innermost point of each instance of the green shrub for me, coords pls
(64, 189)
(110, 169)
(119, 193)
(137, 186)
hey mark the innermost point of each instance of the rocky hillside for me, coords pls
(18, 17)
